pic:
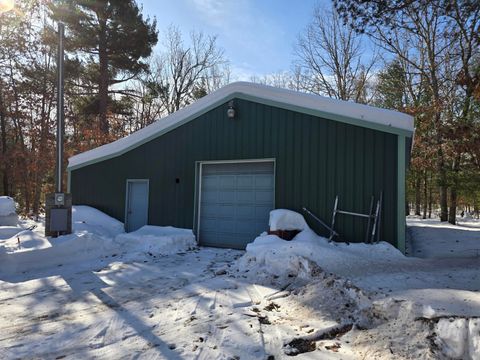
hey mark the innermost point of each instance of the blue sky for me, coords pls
(257, 35)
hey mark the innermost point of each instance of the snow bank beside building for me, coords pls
(89, 219)
(318, 277)
(95, 235)
(92, 237)
(269, 254)
(8, 214)
(157, 240)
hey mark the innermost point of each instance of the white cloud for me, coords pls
(221, 14)
(254, 39)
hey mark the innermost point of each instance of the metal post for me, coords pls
(379, 217)
(369, 221)
(60, 110)
(332, 232)
(375, 223)
(333, 216)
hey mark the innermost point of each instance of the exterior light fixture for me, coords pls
(230, 110)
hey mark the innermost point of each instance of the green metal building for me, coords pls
(221, 164)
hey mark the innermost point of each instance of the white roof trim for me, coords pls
(288, 98)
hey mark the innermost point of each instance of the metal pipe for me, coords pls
(332, 232)
(353, 214)
(60, 110)
(369, 220)
(334, 213)
(379, 217)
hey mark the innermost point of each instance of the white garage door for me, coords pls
(235, 202)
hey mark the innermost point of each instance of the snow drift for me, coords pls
(86, 218)
(8, 214)
(317, 277)
(95, 235)
(157, 240)
(92, 237)
(269, 254)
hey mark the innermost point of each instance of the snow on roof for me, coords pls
(302, 102)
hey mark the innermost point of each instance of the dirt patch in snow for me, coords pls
(318, 311)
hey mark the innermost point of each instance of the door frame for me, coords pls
(127, 197)
(198, 185)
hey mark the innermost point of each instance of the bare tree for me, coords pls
(430, 43)
(147, 106)
(333, 58)
(281, 79)
(185, 73)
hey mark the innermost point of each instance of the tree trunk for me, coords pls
(452, 216)
(3, 137)
(430, 201)
(417, 195)
(41, 154)
(443, 186)
(103, 78)
(425, 195)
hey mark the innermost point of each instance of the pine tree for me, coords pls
(391, 87)
(111, 39)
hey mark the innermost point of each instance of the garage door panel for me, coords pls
(227, 182)
(263, 182)
(226, 196)
(264, 196)
(218, 225)
(217, 210)
(245, 212)
(209, 182)
(245, 196)
(208, 224)
(226, 240)
(249, 227)
(262, 212)
(236, 201)
(245, 182)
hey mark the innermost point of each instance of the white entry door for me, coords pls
(136, 214)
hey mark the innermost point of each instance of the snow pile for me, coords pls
(92, 237)
(8, 215)
(458, 338)
(7, 206)
(282, 219)
(322, 303)
(157, 240)
(270, 256)
(450, 337)
(89, 219)
(95, 235)
(92, 234)
(17, 239)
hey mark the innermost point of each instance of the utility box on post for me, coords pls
(58, 218)
(58, 206)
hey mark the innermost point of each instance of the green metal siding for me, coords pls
(315, 158)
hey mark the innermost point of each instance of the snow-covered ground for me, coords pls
(153, 294)
(444, 240)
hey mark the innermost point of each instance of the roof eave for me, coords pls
(239, 94)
